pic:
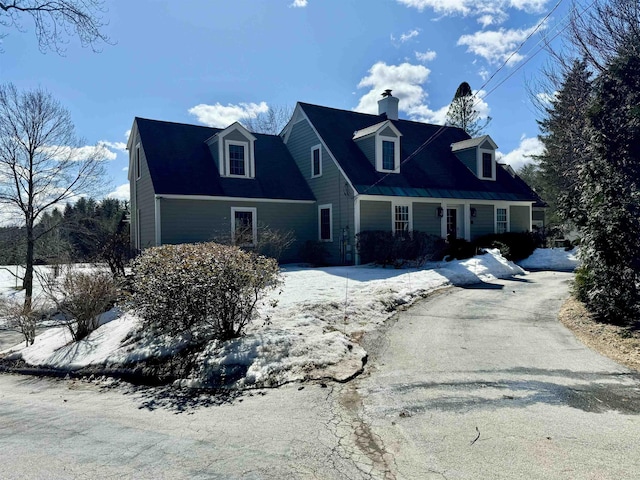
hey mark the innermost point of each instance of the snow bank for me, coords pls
(311, 333)
(551, 259)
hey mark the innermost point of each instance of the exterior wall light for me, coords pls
(474, 212)
(440, 212)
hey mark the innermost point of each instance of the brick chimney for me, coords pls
(388, 104)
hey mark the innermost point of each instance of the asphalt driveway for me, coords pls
(474, 383)
(484, 382)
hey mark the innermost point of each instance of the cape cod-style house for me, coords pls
(329, 175)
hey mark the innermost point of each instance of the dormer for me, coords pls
(381, 145)
(233, 151)
(479, 156)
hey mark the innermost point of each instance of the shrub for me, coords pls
(270, 242)
(512, 245)
(20, 317)
(385, 248)
(206, 290)
(81, 297)
(314, 253)
(460, 249)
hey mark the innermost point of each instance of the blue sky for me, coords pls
(210, 61)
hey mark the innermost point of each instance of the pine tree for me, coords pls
(462, 112)
(565, 146)
(609, 281)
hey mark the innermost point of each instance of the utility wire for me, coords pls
(479, 99)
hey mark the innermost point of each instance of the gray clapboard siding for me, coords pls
(483, 223)
(469, 158)
(331, 188)
(426, 219)
(192, 221)
(375, 215)
(519, 217)
(368, 147)
(144, 201)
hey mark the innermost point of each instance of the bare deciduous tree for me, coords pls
(42, 163)
(55, 20)
(272, 121)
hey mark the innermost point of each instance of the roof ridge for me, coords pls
(176, 123)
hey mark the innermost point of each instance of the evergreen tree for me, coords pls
(462, 112)
(609, 281)
(565, 146)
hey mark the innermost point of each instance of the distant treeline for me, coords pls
(86, 231)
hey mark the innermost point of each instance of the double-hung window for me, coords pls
(501, 220)
(243, 226)
(401, 220)
(237, 159)
(388, 155)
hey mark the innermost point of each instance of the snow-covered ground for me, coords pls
(551, 259)
(311, 333)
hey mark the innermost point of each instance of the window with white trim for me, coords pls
(237, 158)
(244, 231)
(401, 220)
(387, 154)
(325, 223)
(316, 161)
(501, 220)
(486, 164)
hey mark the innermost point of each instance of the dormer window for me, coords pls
(388, 155)
(478, 155)
(237, 158)
(487, 165)
(233, 152)
(381, 144)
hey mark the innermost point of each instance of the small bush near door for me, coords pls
(513, 246)
(385, 248)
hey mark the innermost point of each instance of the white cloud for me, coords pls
(405, 80)
(127, 134)
(64, 152)
(496, 46)
(488, 12)
(221, 116)
(423, 113)
(299, 3)
(121, 146)
(546, 98)
(120, 193)
(125, 169)
(522, 154)
(427, 56)
(405, 37)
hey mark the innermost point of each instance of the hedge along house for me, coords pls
(329, 175)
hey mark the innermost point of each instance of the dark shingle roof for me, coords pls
(180, 163)
(434, 171)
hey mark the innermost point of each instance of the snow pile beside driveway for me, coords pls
(557, 259)
(312, 332)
